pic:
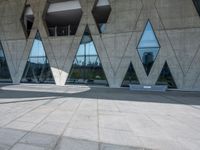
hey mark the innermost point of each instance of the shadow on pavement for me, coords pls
(122, 94)
(29, 139)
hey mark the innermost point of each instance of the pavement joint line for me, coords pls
(98, 124)
(4, 126)
(188, 105)
(165, 100)
(152, 120)
(66, 126)
(181, 102)
(38, 123)
(115, 104)
(26, 101)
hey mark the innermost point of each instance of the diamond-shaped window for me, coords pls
(87, 67)
(37, 68)
(62, 17)
(27, 19)
(4, 71)
(148, 47)
(101, 13)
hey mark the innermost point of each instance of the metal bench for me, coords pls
(158, 88)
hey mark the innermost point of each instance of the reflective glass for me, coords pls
(101, 14)
(27, 19)
(81, 50)
(166, 77)
(148, 47)
(4, 71)
(87, 68)
(37, 68)
(130, 77)
(197, 5)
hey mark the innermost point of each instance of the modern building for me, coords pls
(101, 42)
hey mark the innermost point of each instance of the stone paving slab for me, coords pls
(96, 118)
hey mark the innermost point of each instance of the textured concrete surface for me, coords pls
(41, 117)
(176, 24)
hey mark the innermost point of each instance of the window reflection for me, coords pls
(101, 13)
(4, 71)
(27, 19)
(37, 68)
(197, 5)
(148, 47)
(87, 68)
(166, 77)
(130, 77)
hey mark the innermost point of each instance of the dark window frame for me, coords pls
(138, 48)
(9, 79)
(85, 66)
(46, 65)
(197, 5)
(166, 82)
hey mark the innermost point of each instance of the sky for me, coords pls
(148, 43)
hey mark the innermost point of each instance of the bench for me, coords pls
(158, 88)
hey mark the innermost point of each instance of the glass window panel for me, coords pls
(1, 53)
(86, 38)
(166, 77)
(148, 47)
(4, 70)
(197, 5)
(81, 50)
(38, 60)
(102, 27)
(101, 14)
(37, 68)
(37, 49)
(92, 61)
(130, 77)
(90, 49)
(148, 38)
(87, 68)
(80, 60)
(27, 19)
(148, 55)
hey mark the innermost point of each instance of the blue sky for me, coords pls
(148, 42)
(37, 50)
(148, 38)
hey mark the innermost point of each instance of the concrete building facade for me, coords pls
(176, 24)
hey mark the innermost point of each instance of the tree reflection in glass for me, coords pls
(4, 71)
(130, 77)
(37, 68)
(166, 77)
(87, 67)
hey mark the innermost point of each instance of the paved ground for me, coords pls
(36, 117)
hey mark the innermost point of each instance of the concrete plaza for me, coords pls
(37, 117)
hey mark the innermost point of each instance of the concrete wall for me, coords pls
(176, 24)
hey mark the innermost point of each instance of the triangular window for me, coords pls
(87, 67)
(197, 5)
(37, 68)
(166, 77)
(148, 47)
(130, 77)
(4, 71)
